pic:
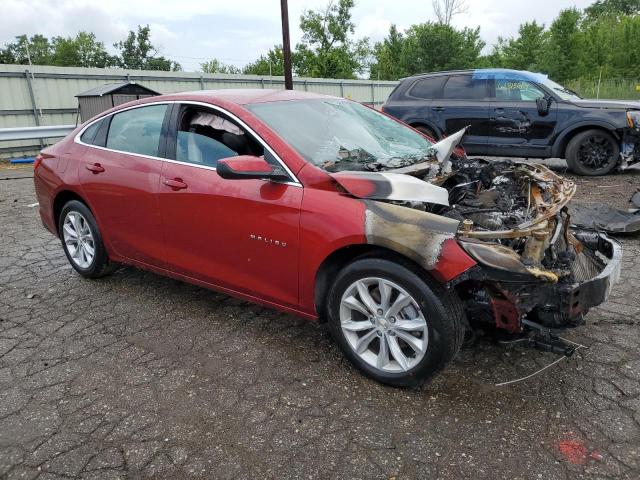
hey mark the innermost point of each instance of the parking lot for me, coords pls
(136, 376)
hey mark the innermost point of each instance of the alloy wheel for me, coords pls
(595, 152)
(384, 325)
(78, 239)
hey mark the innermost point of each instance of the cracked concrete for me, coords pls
(137, 376)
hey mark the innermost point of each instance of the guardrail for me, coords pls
(28, 133)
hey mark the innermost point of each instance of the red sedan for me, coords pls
(327, 209)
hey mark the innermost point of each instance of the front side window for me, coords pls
(517, 91)
(137, 130)
(206, 136)
(337, 134)
(465, 87)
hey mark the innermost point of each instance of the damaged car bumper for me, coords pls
(510, 291)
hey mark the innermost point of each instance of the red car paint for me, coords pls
(255, 239)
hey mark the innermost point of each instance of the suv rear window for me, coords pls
(428, 88)
(465, 87)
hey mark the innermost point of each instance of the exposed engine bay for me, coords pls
(514, 221)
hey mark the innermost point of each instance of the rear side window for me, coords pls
(89, 134)
(465, 87)
(428, 88)
(137, 130)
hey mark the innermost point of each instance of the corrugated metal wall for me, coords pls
(46, 95)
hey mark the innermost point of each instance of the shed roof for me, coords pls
(132, 88)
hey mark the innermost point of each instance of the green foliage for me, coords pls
(426, 47)
(270, 64)
(216, 66)
(137, 52)
(387, 53)
(327, 49)
(84, 50)
(612, 7)
(561, 58)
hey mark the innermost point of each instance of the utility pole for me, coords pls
(286, 46)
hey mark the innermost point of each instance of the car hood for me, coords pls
(607, 104)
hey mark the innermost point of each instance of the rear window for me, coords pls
(428, 88)
(465, 87)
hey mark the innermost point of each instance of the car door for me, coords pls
(236, 234)
(120, 174)
(517, 129)
(464, 102)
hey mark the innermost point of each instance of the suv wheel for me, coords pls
(82, 241)
(593, 152)
(391, 324)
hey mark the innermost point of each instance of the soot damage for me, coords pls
(511, 218)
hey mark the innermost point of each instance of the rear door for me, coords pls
(236, 234)
(465, 102)
(517, 129)
(120, 174)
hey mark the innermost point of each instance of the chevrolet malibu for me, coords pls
(332, 211)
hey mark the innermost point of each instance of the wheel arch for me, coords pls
(61, 199)
(560, 145)
(340, 258)
(427, 124)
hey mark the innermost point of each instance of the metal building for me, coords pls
(98, 99)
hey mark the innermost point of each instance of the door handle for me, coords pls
(499, 111)
(175, 184)
(438, 109)
(95, 168)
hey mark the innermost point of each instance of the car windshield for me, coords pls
(337, 134)
(563, 92)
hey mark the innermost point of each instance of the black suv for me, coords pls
(521, 114)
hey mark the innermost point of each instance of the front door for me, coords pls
(517, 129)
(120, 179)
(236, 234)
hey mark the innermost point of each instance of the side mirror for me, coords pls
(543, 104)
(245, 167)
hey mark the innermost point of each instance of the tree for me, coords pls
(524, 52)
(429, 47)
(270, 64)
(612, 7)
(326, 49)
(216, 66)
(386, 54)
(82, 51)
(561, 58)
(36, 50)
(445, 10)
(137, 52)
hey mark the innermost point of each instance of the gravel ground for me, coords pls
(137, 376)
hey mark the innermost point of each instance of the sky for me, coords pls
(238, 31)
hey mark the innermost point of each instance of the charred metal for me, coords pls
(512, 221)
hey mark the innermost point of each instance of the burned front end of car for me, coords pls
(532, 265)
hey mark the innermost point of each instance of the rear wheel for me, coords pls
(391, 324)
(82, 241)
(593, 152)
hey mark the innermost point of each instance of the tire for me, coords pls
(76, 216)
(441, 310)
(592, 152)
(427, 131)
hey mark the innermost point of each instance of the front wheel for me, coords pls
(592, 152)
(393, 325)
(82, 241)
